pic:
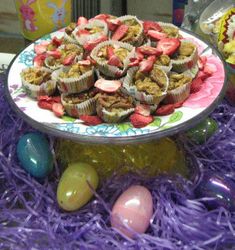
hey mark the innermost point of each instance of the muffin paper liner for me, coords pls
(87, 107)
(95, 22)
(69, 39)
(139, 95)
(73, 85)
(179, 94)
(164, 68)
(185, 64)
(109, 70)
(46, 88)
(112, 117)
(139, 39)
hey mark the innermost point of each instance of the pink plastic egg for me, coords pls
(132, 211)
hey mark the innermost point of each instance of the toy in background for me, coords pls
(40, 17)
(58, 16)
(178, 11)
(28, 15)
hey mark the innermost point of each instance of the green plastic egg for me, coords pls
(73, 191)
(203, 131)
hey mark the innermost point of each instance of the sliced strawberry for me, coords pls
(147, 65)
(82, 20)
(202, 61)
(54, 53)
(68, 60)
(134, 62)
(120, 32)
(157, 35)
(45, 105)
(165, 109)
(108, 85)
(178, 104)
(38, 60)
(142, 109)
(209, 69)
(56, 41)
(40, 49)
(56, 99)
(150, 25)
(196, 85)
(83, 32)
(148, 50)
(110, 51)
(140, 121)
(138, 54)
(93, 62)
(58, 109)
(102, 17)
(44, 98)
(113, 23)
(85, 62)
(168, 45)
(90, 120)
(90, 45)
(115, 61)
(202, 75)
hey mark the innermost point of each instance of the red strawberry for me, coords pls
(82, 20)
(68, 60)
(165, 109)
(44, 98)
(202, 61)
(90, 45)
(148, 50)
(93, 62)
(85, 62)
(110, 51)
(38, 60)
(150, 25)
(147, 65)
(142, 109)
(102, 17)
(40, 49)
(113, 24)
(82, 33)
(120, 32)
(134, 62)
(54, 53)
(90, 120)
(157, 35)
(138, 54)
(202, 75)
(178, 104)
(45, 105)
(115, 61)
(209, 69)
(58, 109)
(108, 85)
(140, 121)
(56, 41)
(196, 85)
(168, 45)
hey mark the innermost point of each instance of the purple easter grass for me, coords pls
(31, 219)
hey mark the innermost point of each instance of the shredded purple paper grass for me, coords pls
(30, 217)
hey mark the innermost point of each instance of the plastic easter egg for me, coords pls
(219, 188)
(132, 211)
(73, 189)
(203, 131)
(34, 154)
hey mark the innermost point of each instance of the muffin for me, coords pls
(75, 78)
(37, 81)
(80, 103)
(164, 62)
(169, 29)
(68, 33)
(114, 107)
(148, 88)
(112, 57)
(178, 89)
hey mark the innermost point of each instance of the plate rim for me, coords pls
(142, 138)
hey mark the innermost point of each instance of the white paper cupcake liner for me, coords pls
(69, 39)
(181, 66)
(139, 95)
(113, 117)
(46, 88)
(138, 40)
(73, 85)
(110, 70)
(87, 107)
(95, 22)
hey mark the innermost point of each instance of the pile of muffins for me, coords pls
(112, 68)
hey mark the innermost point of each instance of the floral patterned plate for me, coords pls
(197, 106)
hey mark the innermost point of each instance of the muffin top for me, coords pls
(163, 60)
(75, 71)
(177, 80)
(70, 28)
(185, 50)
(133, 30)
(171, 31)
(36, 76)
(79, 97)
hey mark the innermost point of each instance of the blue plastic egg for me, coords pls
(34, 154)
